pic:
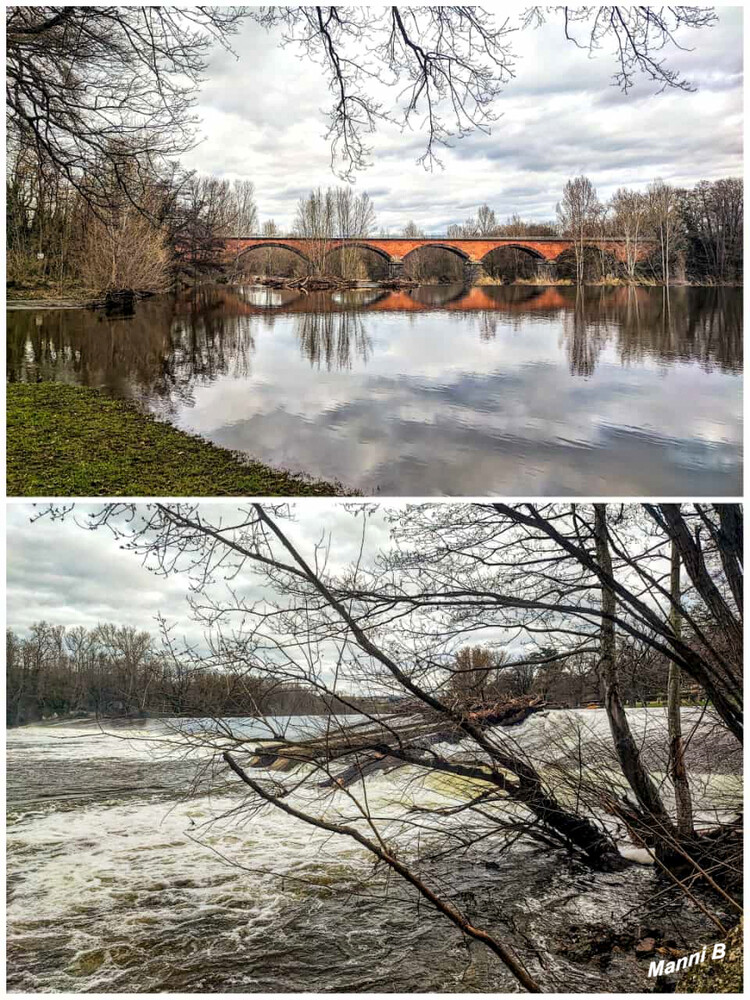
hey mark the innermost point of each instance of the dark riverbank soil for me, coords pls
(604, 945)
(66, 440)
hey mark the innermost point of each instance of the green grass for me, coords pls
(65, 440)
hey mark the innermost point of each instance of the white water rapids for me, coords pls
(122, 879)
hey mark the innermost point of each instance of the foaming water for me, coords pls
(522, 391)
(132, 867)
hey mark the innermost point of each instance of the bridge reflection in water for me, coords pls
(440, 389)
(256, 300)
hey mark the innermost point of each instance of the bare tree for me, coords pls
(629, 219)
(516, 226)
(354, 218)
(120, 82)
(205, 212)
(637, 36)
(486, 224)
(105, 85)
(473, 678)
(124, 248)
(712, 213)
(578, 213)
(446, 66)
(626, 748)
(677, 768)
(412, 231)
(663, 202)
(245, 221)
(316, 221)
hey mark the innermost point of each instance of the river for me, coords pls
(122, 859)
(440, 390)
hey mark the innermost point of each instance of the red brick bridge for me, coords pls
(395, 250)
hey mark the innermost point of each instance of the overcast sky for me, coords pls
(59, 572)
(263, 119)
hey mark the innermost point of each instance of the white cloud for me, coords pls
(264, 118)
(62, 573)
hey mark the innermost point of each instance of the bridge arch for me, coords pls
(360, 245)
(598, 262)
(530, 251)
(436, 260)
(273, 245)
(357, 258)
(511, 262)
(457, 251)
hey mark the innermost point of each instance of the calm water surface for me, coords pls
(440, 390)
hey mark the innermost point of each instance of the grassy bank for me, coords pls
(69, 441)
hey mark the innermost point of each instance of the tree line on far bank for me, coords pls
(101, 109)
(121, 671)
(58, 241)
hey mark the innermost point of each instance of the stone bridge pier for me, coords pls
(395, 270)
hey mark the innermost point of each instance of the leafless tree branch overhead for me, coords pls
(87, 85)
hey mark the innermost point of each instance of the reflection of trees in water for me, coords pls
(586, 332)
(204, 350)
(691, 324)
(488, 324)
(86, 347)
(157, 356)
(175, 342)
(669, 324)
(677, 324)
(332, 338)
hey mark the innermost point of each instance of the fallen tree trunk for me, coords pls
(356, 752)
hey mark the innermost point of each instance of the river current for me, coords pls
(132, 867)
